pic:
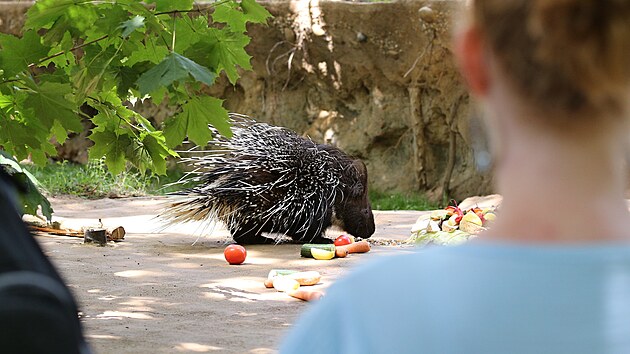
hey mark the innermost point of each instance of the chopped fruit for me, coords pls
(322, 254)
(472, 218)
(343, 240)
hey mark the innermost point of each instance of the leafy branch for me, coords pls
(75, 53)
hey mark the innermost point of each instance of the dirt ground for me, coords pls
(169, 291)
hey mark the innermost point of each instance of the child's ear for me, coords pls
(470, 55)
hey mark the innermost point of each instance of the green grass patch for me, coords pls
(400, 201)
(94, 181)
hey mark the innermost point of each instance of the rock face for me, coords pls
(375, 79)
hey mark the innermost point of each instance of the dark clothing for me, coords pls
(37, 311)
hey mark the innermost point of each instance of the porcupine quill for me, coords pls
(269, 179)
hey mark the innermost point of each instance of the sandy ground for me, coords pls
(172, 291)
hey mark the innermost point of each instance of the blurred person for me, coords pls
(552, 275)
(38, 314)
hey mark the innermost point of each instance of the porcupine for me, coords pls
(269, 179)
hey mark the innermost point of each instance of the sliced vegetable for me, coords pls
(322, 254)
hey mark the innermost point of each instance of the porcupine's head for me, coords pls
(352, 208)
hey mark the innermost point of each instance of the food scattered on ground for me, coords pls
(290, 281)
(356, 247)
(449, 226)
(343, 240)
(323, 251)
(285, 284)
(235, 254)
(306, 295)
(322, 254)
(305, 250)
(306, 278)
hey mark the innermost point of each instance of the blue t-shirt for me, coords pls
(476, 298)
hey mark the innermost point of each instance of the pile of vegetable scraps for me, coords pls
(450, 225)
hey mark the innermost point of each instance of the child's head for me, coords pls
(568, 58)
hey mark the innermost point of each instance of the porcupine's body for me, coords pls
(269, 179)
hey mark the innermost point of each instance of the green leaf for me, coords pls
(172, 5)
(60, 133)
(229, 14)
(18, 138)
(153, 52)
(50, 104)
(18, 53)
(189, 31)
(255, 12)
(45, 12)
(112, 146)
(222, 50)
(30, 197)
(5, 101)
(155, 145)
(193, 121)
(173, 68)
(132, 25)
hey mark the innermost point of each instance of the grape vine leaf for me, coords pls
(173, 68)
(193, 121)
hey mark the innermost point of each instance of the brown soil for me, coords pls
(162, 292)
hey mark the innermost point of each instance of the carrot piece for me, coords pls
(340, 252)
(356, 247)
(306, 295)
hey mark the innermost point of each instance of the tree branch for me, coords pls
(70, 50)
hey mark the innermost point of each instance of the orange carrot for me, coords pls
(356, 247)
(340, 252)
(306, 295)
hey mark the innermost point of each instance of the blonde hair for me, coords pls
(563, 56)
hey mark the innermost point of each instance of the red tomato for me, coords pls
(343, 240)
(235, 254)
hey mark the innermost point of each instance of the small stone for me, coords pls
(318, 30)
(361, 37)
(427, 14)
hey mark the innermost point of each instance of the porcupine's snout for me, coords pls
(354, 213)
(357, 220)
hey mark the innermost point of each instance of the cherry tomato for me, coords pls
(235, 254)
(343, 240)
